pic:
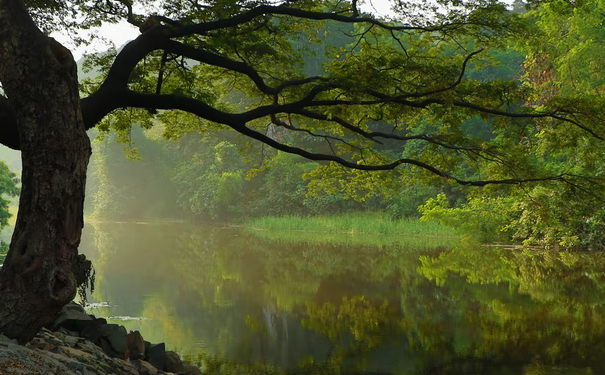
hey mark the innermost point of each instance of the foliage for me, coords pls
(561, 71)
(407, 200)
(8, 189)
(210, 184)
(472, 95)
(481, 217)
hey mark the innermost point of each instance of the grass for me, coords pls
(359, 223)
(358, 239)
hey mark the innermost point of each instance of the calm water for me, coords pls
(352, 305)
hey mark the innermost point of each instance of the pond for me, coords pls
(314, 303)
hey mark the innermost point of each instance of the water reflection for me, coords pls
(351, 305)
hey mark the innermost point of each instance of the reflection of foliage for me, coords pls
(296, 306)
(163, 316)
(563, 321)
(356, 316)
(220, 280)
(478, 266)
(219, 366)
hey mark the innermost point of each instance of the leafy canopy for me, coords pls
(393, 95)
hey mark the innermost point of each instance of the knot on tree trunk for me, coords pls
(61, 285)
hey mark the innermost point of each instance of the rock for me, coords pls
(135, 346)
(4, 339)
(45, 338)
(76, 360)
(95, 362)
(67, 332)
(117, 337)
(173, 362)
(67, 340)
(105, 345)
(145, 368)
(72, 341)
(17, 359)
(72, 317)
(91, 348)
(93, 331)
(61, 353)
(157, 356)
(73, 306)
(190, 369)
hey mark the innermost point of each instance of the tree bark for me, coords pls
(39, 78)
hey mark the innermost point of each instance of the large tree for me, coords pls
(201, 57)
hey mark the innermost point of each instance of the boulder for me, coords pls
(156, 356)
(91, 348)
(72, 341)
(116, 336)
(49, 337)
(67, 332)
(73, 306)
(145, 368)
(5, 339)
(60, 353)
(105, 345)
(72, 317)
(173, 362)
(190, 369)
(135, 346)
(93, 331)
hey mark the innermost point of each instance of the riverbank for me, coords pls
(78, 344)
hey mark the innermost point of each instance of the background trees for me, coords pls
(560, 69)
(516, 72)
(240, 65)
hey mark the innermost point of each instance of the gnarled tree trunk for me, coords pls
(39, 78)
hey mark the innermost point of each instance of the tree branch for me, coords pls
(306, 14)
(237, 123)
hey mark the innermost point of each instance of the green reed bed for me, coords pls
(374, 223)
(356, 239)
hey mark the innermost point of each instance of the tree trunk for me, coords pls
(39, 78)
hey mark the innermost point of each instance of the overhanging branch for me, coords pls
(205, 111)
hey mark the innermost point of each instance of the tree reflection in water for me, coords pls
(238, 303)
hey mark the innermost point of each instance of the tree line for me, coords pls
(215, 174)
(403, 80)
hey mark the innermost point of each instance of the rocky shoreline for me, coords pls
(82, 344)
